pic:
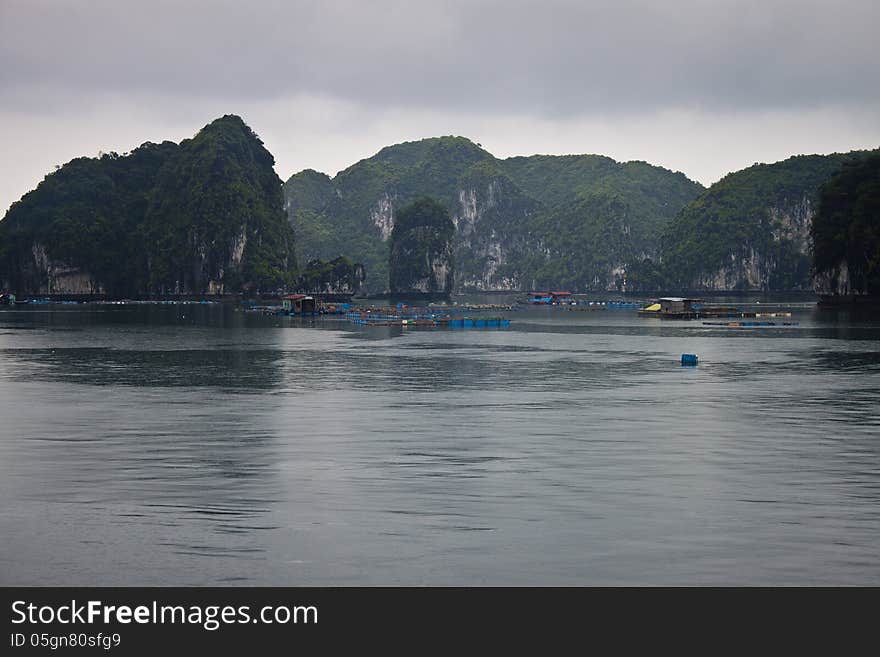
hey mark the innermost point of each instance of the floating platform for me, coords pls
(429, 322)
(406, 323)
(695, 313)
(749, 324)
(402, 312)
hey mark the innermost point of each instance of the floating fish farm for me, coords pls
(423, 318)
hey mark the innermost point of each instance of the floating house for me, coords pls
(561, 297)
(541, 298)
(551, 298)
(298, 304)
(682, 308)
(672, 308)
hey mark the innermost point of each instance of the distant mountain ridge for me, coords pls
(578, 221)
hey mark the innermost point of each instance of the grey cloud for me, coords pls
(548, 58)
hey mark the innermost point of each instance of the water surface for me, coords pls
(196, 445)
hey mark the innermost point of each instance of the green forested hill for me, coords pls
(203, 216)
(846, 230)
(86, 214)
(577, 221)
(603, 216)
(751, 229)
(351, 214)
(215, 219)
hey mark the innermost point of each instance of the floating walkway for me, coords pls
(583, 305)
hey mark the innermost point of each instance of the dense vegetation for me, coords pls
(338, 276)
(351, 213)
(576, 221)
(88, 213)
(203, 216)
(846, 229)
(216, 214)
(751, 229)
(420, 258)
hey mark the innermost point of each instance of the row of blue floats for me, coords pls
(423, 322)
(488, 322)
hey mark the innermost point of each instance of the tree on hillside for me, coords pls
(421, 248)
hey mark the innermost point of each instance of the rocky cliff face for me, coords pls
(491, 218)
(779, 261)
(835, 282)
(382, 216)
(792, 223)
(46, 275)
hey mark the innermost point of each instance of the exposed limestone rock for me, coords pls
(382, 216)
(56, 277)
(835, 282)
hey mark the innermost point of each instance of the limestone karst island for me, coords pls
(210, 217)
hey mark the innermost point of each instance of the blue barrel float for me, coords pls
(689, 360)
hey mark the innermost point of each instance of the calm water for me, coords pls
(196, 445)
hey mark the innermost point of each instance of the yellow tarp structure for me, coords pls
(652, 307)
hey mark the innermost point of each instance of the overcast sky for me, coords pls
(700, 86)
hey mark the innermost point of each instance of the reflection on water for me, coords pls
(236, 368)
(197, 445)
